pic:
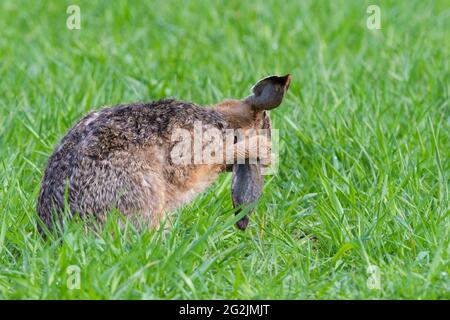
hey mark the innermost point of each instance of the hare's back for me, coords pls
(141, 124)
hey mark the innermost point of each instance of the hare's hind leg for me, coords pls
(152, 199)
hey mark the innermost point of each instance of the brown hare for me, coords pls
(122, 157)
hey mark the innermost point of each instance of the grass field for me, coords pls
(362, 191)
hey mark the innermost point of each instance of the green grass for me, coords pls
(364, 147)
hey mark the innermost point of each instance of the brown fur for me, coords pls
(118, 158)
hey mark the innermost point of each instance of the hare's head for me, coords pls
(251, 112)
(245, 116)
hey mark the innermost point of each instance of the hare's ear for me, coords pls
(269, 92)
(246, 188)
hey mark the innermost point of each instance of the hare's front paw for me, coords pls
(253, 149)
(261, 149)
(268, 161)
